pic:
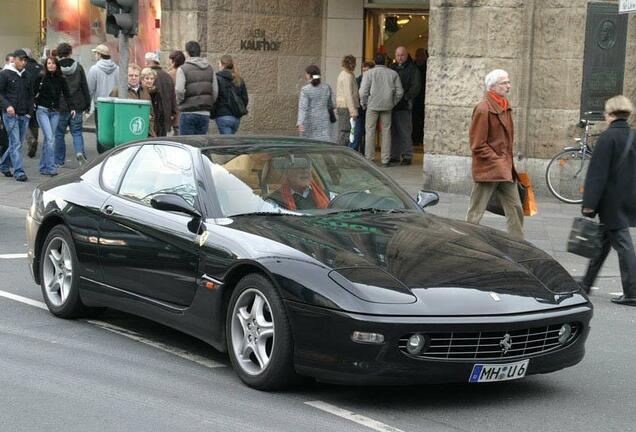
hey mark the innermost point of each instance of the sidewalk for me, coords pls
(548, 230)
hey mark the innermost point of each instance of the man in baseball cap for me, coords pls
(103, 77)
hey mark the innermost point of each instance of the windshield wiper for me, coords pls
(265, 213)
(372, 210)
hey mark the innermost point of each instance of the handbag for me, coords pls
(494, 206)
(585, 237)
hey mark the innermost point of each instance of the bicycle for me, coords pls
(565, 174)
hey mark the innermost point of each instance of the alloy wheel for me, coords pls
(252, 331)
(57, 271)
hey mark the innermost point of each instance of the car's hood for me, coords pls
(421, 251)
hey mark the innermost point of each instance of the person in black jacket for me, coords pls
(227, 110)
(51, 87)
(16, 100)
(75, 78)
(610, 192)
(401, 116)
(33, 71)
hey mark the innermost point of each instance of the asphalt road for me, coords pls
(123, 373)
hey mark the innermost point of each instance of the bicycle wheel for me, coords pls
(566, 173)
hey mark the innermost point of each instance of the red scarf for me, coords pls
(501, 101)
(319, 197)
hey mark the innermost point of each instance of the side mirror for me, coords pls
(427, 198)
(173, 202)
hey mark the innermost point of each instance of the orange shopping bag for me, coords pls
(530, 203)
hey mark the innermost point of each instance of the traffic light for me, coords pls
(121, 15)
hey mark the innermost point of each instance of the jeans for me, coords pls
(193, 124)
(47, 120)
(75, 124)
(16, 127)
(358, 133)
(228, 125)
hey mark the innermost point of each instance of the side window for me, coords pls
(159, 169)
(114, 166)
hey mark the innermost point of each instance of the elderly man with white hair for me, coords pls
(491, 139)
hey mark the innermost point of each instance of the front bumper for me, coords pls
(323, 347)
(32, 228)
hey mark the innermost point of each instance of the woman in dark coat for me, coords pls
(610, 192)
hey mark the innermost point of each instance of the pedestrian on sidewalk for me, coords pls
(197, 90)
(610, 192)
(177, 58)
(359, 131)
(73, 73)
(16, 100)
(491, 140)
(347, 99)
(51, 88)
(232, 102)
(103, 77)
(33, 71)
(402, 114)
(314, 104)
(164, 85)
(157, 123)
(380, 91)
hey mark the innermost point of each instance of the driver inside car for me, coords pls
(299, 191)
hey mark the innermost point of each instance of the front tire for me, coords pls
(59, 274)
(258, 335)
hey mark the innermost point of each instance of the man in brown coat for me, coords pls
(491, 137)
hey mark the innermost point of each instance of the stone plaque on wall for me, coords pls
(604, 57)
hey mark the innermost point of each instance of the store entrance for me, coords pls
(387, 29)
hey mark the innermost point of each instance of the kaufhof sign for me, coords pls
(256, 41)
(626, 6)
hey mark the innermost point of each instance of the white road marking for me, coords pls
(124, 332)
(356, 418)
(24, 300)
(616, 293)
(161, 346)
(13, 256)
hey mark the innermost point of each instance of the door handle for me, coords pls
(108, 210)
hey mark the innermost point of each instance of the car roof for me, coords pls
(211, 141)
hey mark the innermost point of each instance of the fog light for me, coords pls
(564, 333)
(416, 343)
(367, 338)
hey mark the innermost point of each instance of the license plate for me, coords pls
(498, 372)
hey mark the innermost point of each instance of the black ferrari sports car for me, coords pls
(300, 258)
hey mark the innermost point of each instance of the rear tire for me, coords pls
(259, 336)
(565, 175)
(59, 275)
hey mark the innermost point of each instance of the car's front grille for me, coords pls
(487, 345)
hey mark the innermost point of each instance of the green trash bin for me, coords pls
(131, 120)
(105, 121)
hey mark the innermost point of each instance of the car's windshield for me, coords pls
(299, 180)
